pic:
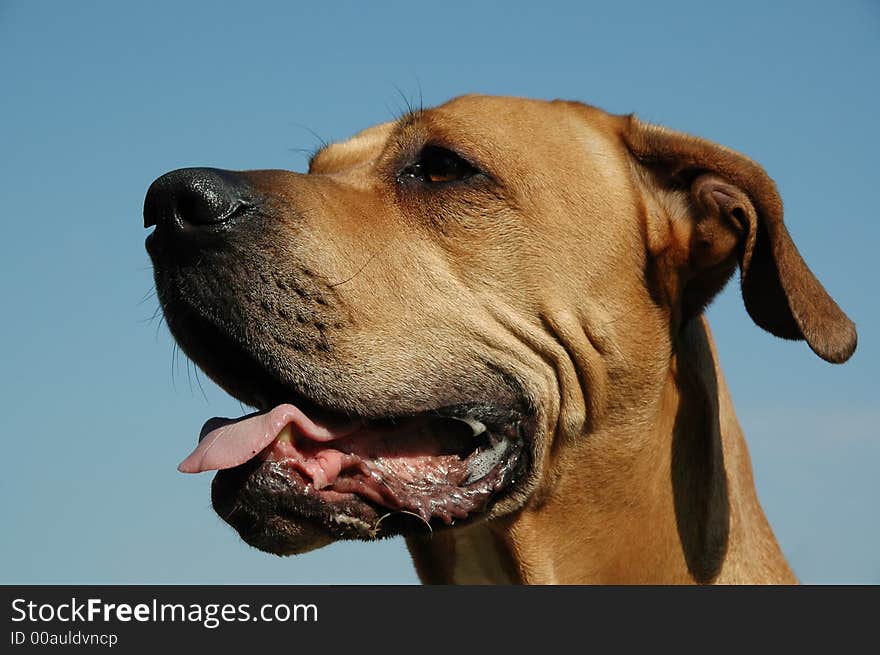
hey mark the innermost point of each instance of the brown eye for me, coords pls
(437, 165)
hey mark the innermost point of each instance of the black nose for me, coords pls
(195, 196)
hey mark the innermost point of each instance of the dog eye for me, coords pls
(437, 166)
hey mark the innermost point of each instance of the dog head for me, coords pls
(425, 318)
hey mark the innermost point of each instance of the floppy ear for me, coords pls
(735, 213)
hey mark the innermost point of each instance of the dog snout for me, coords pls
(196, 197)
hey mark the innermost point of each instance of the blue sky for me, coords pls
(100, 98)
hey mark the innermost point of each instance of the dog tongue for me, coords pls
(225, 443)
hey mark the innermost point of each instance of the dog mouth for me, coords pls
(440, 466)
(297, 474)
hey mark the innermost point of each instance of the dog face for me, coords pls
(426, 318)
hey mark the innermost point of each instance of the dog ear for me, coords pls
(736, 213)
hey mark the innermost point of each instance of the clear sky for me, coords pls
(99, 98)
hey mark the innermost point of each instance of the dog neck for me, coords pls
(665, 503)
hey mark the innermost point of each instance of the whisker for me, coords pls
(324, 143)
(159, 325)
(188, 376)
(199, 382)
(173, 363)
(356, 273)
(151, 293)
(395, 114)
(403, 96)
(152, 317)
(307, 153)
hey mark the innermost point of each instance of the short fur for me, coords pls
(579, 266)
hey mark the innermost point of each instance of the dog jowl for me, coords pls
(480, 326)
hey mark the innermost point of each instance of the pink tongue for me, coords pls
(225, 443)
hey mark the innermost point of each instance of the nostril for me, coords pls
(202, 205)
(194, 196)
(191, 207)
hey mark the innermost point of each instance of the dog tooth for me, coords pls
(477, 428)
(286, 435)
(482, 463)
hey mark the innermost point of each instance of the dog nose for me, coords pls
(195, 196)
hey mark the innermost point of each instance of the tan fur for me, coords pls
(584, 273)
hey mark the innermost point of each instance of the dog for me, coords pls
(481, 326)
